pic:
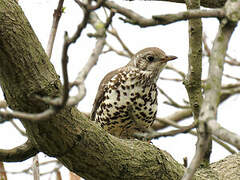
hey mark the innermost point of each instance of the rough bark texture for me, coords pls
(79, 144)
(193, 78)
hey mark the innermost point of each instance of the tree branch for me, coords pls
(115, 34)
(19, 153)
(22, 132)
(159, 123)
(35, 168)
(204, 3)
(170, 101)
(190, 14)
(136, 19)
(174, 124)
(193, 79)
(56, 17)
(212, 93)
(220, 132)
(155, 135)
(175, 117)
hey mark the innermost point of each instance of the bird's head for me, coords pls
(150, 59)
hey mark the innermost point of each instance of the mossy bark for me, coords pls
(84, 148)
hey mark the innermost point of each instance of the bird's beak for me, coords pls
(169, 58)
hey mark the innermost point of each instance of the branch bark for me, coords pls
(193, 83)
(19, 153)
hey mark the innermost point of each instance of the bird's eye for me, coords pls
(150, 58)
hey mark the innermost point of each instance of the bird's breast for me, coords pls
(128, 104)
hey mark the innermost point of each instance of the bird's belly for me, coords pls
(126, 110)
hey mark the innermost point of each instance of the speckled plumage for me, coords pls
(126, 101)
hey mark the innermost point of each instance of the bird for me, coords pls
(126, 100)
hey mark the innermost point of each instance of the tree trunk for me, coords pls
(83, 147)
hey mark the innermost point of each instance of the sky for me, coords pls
(173, 39)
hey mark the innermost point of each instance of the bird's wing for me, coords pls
(101, 91)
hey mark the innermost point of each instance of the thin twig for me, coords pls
(232, 77)
(22, 132)
(182, 74)
(171, 79)
(59, 166)
(120, 53)
(205, 45)
(176, 125)
(171, 101)
(29, 169)
(116, 35)
(161, 123)
(232, 61)
(28, 116)
(156, 135)
(109, 19)
(65, 58)
(56, 17)
(35, 168)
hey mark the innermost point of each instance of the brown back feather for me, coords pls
(101, 91)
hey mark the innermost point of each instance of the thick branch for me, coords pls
(204, 3)
(19, 153)
(228, 170)
(137, 19)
